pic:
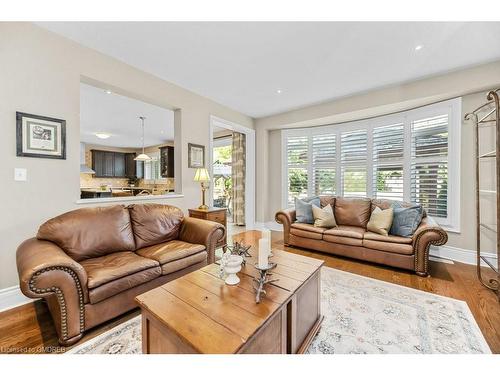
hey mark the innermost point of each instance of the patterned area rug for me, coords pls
(362, 315)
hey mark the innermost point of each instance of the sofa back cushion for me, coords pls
(352, 211)
(326, 200)
(155, 223)
(90, 232)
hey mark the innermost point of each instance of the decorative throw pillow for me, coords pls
(324, 217)
(380, 221)
(406, 220)
(303, 209)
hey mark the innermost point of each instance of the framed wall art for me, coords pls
(40, 136)
(196, 156)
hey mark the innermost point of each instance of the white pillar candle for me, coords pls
(266, 234)
(263, 252)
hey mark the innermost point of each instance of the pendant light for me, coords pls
(143, 156)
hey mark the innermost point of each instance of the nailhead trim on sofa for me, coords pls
(443, 238)
(60, 296)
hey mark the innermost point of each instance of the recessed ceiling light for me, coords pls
(419, 47)
(279, 91)
(109, 91)
(102, 135)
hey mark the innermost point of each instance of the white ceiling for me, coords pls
(118, 115)
(242, 65)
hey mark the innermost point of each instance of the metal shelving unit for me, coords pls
(487, 114)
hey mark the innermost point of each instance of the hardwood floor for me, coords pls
(29, 328)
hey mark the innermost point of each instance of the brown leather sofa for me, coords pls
(351, 239)
(90, 263)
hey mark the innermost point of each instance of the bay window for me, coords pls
(412, 156)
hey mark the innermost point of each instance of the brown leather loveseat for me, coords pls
(351, 239)
(90, 263)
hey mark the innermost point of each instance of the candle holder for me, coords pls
(238, 248)
(262, 280)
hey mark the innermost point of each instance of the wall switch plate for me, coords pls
(20, 174)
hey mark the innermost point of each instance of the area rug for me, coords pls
(362, 315)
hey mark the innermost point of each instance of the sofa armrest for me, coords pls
(428, 233)
(46, 271)
(203, 232)
(285, 217)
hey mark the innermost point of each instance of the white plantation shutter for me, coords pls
(411, 156)
(388, 152)
(429, 164)
(353, 150)
(323, 164)
(297, 163)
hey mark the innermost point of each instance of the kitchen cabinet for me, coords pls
(119, 166)
(130, 166)
(167, 161)
(113, 164)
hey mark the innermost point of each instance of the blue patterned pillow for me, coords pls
(304, 211)
(406, 220)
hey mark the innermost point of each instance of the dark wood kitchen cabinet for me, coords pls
(130, 165)
(119, 166)
(113, 164)
(167, 161)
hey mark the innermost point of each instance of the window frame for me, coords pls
(452, 107)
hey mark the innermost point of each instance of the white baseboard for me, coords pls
(12, 297)
(460, 255)
(272, 225)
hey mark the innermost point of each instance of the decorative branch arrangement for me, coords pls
(239, 248)
(262, 280)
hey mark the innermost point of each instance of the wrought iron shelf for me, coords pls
(486, 260)
(489, 227)
(491, 154)
(486, 115)
(488, 191)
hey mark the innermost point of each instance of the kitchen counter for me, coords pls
(90, 192)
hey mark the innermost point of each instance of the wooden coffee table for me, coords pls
(199, 313)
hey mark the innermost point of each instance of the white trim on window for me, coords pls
(452, 108)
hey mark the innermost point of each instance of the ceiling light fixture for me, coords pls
(279, 91)
(143, 156)
(419, 47)
(108, 92)
(102, 135)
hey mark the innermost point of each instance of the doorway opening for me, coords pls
(232, 167)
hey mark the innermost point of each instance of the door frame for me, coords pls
(250, 164)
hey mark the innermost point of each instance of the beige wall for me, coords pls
(472, 84)
(40, 73)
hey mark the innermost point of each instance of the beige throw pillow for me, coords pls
(324, 217)
(380, 221)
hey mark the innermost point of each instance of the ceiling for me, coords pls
(244, 65)
(117, 115)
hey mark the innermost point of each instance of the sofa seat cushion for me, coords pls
(345, 235)
(170, 251)
(307, 231)
(346, 231)
(111, 267)
(395, 239)
(389, 247)
(343, 240)
(112, 274)
(182, 263)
